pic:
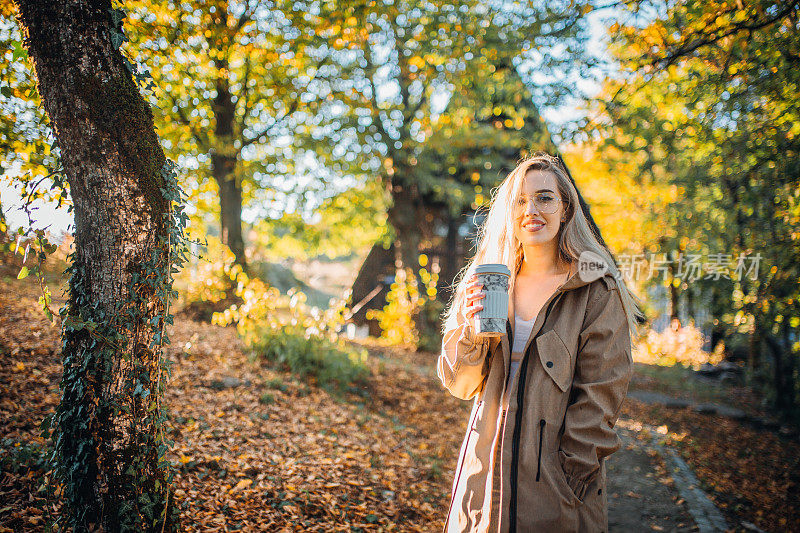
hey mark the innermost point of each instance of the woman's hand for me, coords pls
(474, 293)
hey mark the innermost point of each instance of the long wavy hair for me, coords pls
(497, 243)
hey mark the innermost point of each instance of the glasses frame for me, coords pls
(539, 209)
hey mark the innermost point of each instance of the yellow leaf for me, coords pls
(417, 62)
(243, 484)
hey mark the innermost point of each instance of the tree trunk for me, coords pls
(717, 325)
(107, 425)
(224, 157)
(450, 257)
(780, 383)
(674, 295)
(789, 375)
(230, 203)
(404, 216)
(3, 229)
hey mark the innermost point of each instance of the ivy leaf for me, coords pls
(117, 16)
(19, 51)
(117, 39)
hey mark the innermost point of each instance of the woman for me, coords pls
(560, 372)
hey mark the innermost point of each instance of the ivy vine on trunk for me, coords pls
(108, 444)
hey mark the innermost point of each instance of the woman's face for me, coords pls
(533, 225)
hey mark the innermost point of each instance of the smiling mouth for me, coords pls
(533, 226)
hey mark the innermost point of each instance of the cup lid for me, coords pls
(493, 268)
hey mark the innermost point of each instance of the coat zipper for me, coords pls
(539, 457)
(522, 373)
(461, 467)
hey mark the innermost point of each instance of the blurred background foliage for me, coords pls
(309, 133)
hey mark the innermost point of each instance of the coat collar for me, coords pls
(574, 281)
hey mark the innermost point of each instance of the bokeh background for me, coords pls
(338, 157)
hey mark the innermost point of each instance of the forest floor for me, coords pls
(257, 450)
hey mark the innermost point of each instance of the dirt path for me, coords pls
(642, 497)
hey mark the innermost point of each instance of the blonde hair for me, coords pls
(497, 243)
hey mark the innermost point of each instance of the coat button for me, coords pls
(549, 364)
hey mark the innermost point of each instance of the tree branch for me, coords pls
(716, 35)
(292, 108)
(376, 113)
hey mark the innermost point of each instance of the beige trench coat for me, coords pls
(576, 376)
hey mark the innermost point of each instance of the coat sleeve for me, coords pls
(460, 366)
(603, 370)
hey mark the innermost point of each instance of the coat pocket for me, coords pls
(555, 358)
(561, 478)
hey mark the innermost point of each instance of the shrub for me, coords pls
(266, 398)
(684, 345)
(283, 331)
(396, 318)
(311, 357)
(403, 302)
(21, 457)
(204, 283)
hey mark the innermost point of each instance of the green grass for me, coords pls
(266, 399)
(277, 384)
(333, 367)
(678, 381)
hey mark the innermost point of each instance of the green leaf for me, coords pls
(19, 51)
(117, 39)
(23, 273)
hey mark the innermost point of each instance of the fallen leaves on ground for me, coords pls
(264, 451)
(752, 475)
(271, 453)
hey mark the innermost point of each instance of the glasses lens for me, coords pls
(546, 203)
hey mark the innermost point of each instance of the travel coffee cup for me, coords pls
(491, 320)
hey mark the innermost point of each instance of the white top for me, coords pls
(522, 330)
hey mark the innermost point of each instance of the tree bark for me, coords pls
(3, 229)
(224, 157)
(230, 203)
(405, 215)
(106, 430)
(450, 257)
(674, 294)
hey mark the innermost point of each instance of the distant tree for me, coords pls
(3, 230)
(27, 151)
(108, 446)
(708, 105)
(378, 99)
(490, 123)
(232, 78)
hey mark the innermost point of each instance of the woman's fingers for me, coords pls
(473, 286)
(474, 292)
(472, 310)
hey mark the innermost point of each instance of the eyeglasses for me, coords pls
(545, 202)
